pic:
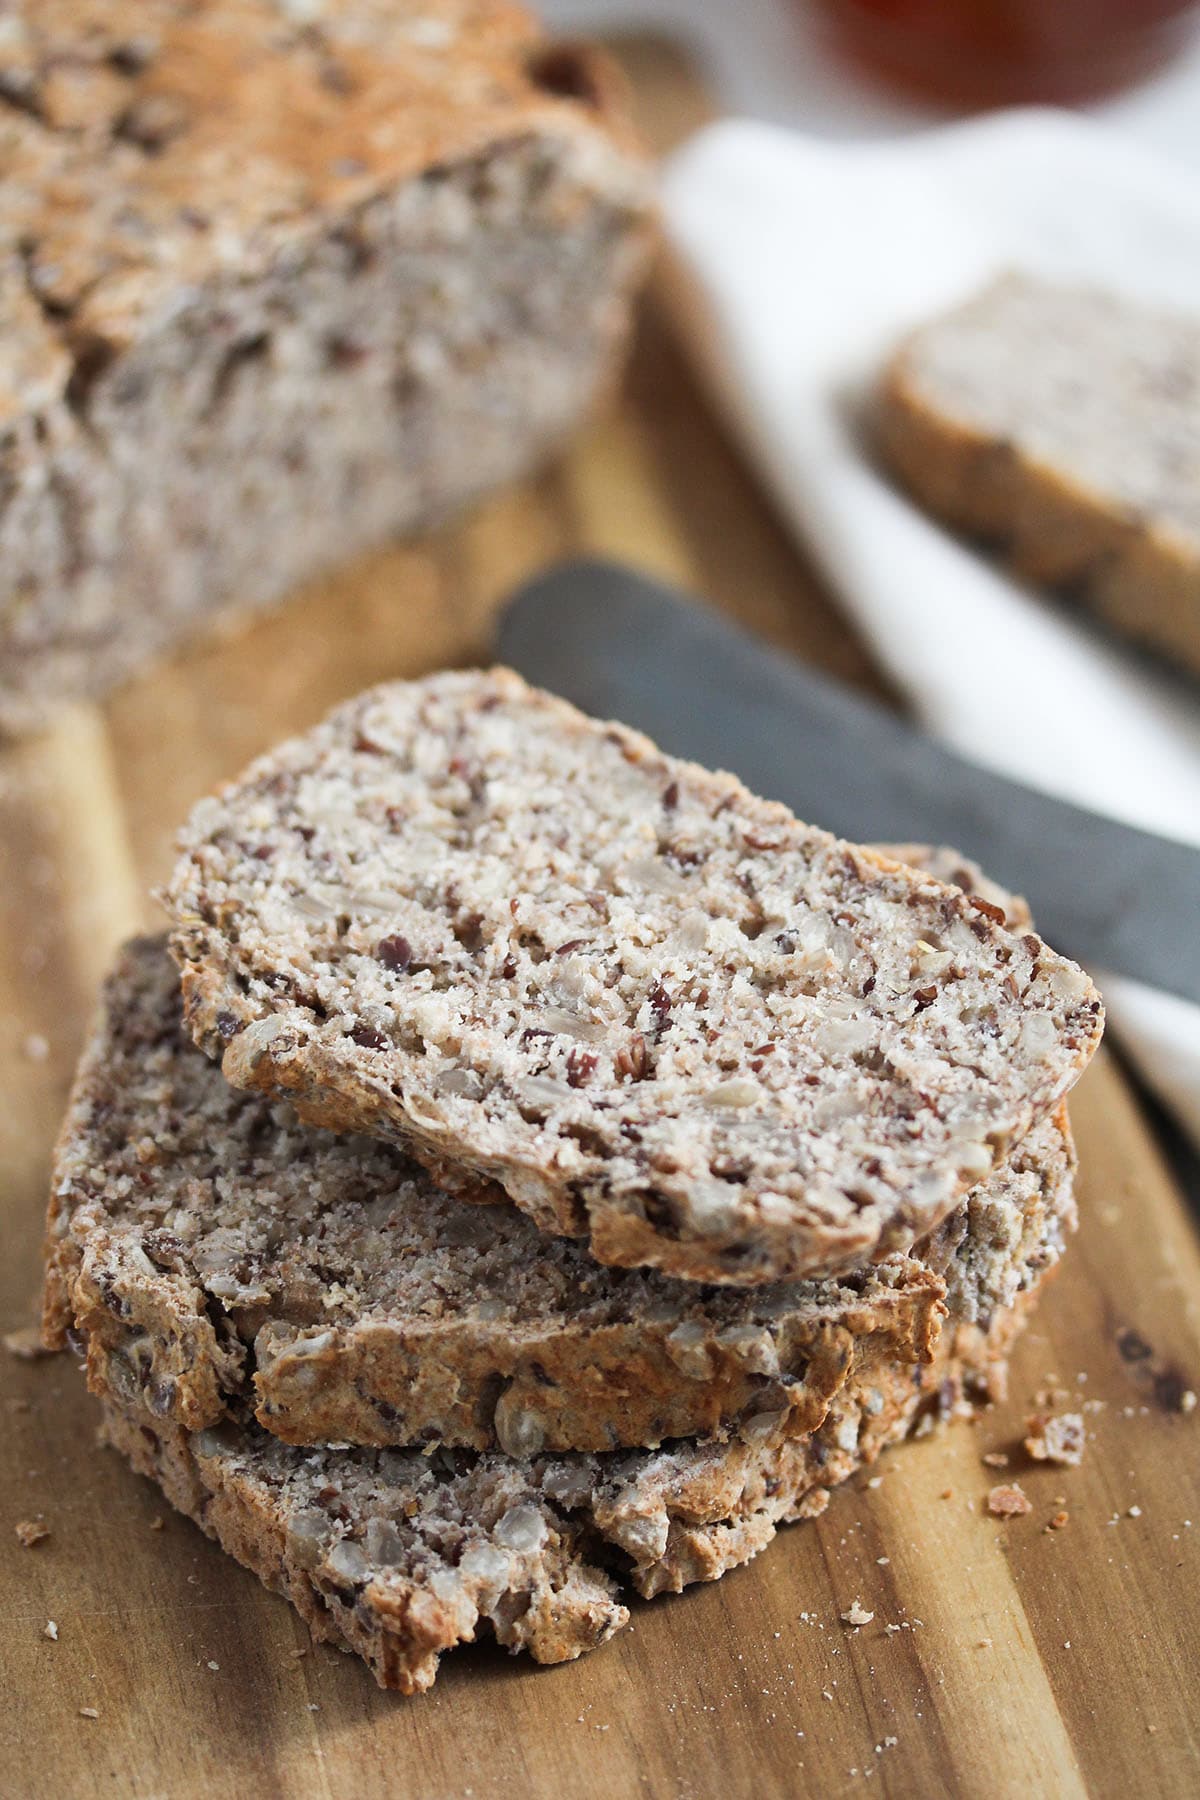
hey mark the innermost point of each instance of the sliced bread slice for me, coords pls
(529, 947)
(217, 1253)
(1063, 423)
(400, 1555)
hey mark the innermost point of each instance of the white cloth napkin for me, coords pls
(796, 265)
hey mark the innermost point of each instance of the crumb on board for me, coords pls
(157, 1522)
(31, 1532)
(996, 1459)
(1008, 1502)
(50, 1630)
(1187, 1400)
(26, 1344)
(88, 1712)
(1056, 1440)
(857, 1614)
(1058, 1521)
(36, 1048)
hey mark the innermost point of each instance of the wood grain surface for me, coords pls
(1002, 1659)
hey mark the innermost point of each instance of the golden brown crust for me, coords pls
(594, 1391)
(131, 111)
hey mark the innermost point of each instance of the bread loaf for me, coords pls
(278, 282)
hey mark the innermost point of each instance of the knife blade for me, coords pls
(620, 645)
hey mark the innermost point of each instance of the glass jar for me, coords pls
(980, 53)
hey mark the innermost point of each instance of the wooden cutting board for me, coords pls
(1002, 1659)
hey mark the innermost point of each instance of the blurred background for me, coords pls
(817, 219)
(867, 68)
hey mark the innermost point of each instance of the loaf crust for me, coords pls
(215, 1253)
(1062, 425)
(279, 282)
(529, 948)
(399, 1556)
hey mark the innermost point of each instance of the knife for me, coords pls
(622, 646)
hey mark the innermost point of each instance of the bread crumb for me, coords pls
(1187, 1400)
(1135, 1512)
(883, 1561)
(984, 1644)
(875, 1481)
(31, 1532)
(157, 1522)
(88, 1712)
(947, 1494)
(50, 1630)
(1008, 1502)
(36, 1047)
(857, 1614)
(26, 1344)
(1056, 1440)
(996, 1459)
(1058, 1521)
(214, 1666)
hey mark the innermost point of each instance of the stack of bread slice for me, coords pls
(553, 1169)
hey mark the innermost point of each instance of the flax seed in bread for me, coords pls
(660, 1013)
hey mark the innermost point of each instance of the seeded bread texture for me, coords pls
(659, 1012)
(279, 282)
(1063, 425)
(215, 1253)
(400, 1555)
